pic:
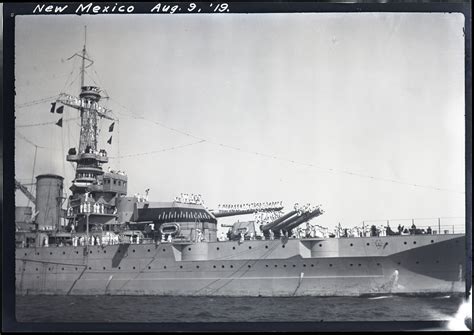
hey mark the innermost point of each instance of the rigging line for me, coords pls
(70, 74)
(45, 123)
(118, 143)
(33, 144)
(158, 151)
(134, 116)
(35, 102)
(337, 170)
(33, 175)
(27, 140)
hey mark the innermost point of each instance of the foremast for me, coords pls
(93, 191)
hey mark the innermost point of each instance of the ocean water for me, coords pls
(225, 309)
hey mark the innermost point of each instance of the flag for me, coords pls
(53, 106)
(60, 110)
(111, 128)
(110, 140)
(60, 122)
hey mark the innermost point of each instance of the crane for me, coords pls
(25, 191)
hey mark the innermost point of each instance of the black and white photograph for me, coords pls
(182, 166)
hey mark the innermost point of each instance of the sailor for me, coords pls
(170, 238)
(413, 229)
(242, 238)
(199, 235)
(428, 230)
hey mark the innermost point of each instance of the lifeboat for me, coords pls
(170, 228)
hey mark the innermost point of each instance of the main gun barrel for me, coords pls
(274, 223)
(305, 217)
(220, 214)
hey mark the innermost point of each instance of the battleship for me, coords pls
(113, 243)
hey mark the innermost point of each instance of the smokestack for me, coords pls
(49, 194)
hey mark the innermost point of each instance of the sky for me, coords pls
(349, 111)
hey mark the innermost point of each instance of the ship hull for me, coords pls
(416, 264)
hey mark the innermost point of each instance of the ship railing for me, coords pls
(418, 226)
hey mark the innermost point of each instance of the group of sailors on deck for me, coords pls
(142, 198)
(88, 207)
(88, 150)
(254, 206)
(195, 199)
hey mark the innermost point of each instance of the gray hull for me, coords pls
(416, 264)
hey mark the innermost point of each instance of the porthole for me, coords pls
(457, 241)
(105, 251)
(352, 244)
(294, 265)
(148, 250)
(217, 248)
(214, 266)
(249, 266)
(233, 248)
(50, 253)
(283, 246)
(222, 266)
(36, 269)
(180, 266)
(330, 264)
(399, 263)
(405, 242)
(165, 250)
(437, 262)
(250, 247)
(90, 252)
(368, 243)
(276, 265)
(90, 268)
(266, 247)
(119, 251)
(37, 253)
(134, 268)
(414, 242)
(164, 267)
(75, 269)
(189, 249)
(231, 266)
(119, 267)
(25, 253)
(417, 262)
(149, 268)
(284, 265)
(64, 252)
(103, 268)
(320, 245)
(378, 264)
(432, 241)
(312, 265)
(352, 264)
(133, 250)
(304, 265)
(77, 252)
(359, 264)
(197, 266)
(266, 265)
